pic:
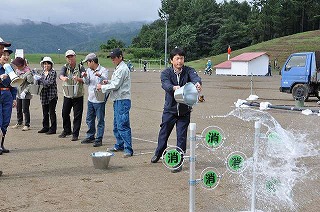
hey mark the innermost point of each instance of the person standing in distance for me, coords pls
(71, 75)
(120, 93)
(175, 113)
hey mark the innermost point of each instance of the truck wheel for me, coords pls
(300, 91)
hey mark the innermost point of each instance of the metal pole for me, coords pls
(166, 17)
(257, 127)
(192, 160)
(251, 84)
(282, 107)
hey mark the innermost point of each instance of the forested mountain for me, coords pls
(205, 27)
(47, 38)
(202, 27)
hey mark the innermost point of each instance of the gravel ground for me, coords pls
(47, 173)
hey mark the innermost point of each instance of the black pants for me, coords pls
(168, 122)
(23, 109)
(49, 111)
(77, 105)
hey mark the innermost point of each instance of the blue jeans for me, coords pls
(121, 125)
(95, 110)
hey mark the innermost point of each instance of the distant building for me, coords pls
(251, 63)
(19, 53)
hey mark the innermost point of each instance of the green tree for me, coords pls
(150, 36)
(111, 44)
(233, 33)
(204, 27)
(184, 37)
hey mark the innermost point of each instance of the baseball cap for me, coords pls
(6, 44)
(7, 50)
(70, 52)
(115, 53)
(90, 56)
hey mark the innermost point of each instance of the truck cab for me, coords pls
(299, 75)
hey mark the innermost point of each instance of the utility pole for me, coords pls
(164, 16)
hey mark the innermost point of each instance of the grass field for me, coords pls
(279, 48)
(59, 59)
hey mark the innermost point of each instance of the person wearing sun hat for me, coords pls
(48, 96)
(7, 94)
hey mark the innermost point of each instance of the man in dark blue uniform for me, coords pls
(175, 113)
(7, 99)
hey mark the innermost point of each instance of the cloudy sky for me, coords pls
(84, 11)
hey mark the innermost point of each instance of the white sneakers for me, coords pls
(16, 126)
(24, 128)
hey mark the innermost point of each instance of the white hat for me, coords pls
(70, 52)
(46, 59)
(4, 43)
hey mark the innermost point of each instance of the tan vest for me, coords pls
(71, 88)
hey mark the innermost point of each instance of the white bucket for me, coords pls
(70, 90)
(101, 159)
(187, 94)
(99, 95)
(35, 89)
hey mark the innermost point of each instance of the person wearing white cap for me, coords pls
(7, 95)
(71, 75)
(48, 96)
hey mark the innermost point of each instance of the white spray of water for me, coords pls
(278, 167)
